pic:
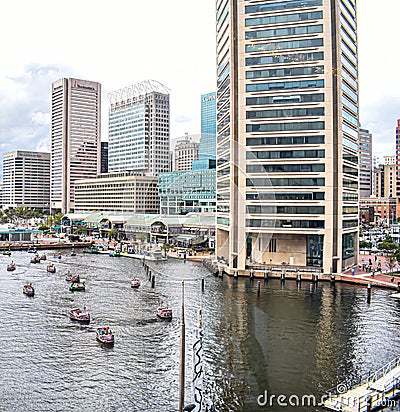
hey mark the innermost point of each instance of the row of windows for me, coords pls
(288, 182)
(281, 32)
(285, 210)
(285, 140)
(298, 224)
(347, 210)
(284, 58)
(349, 223)
(283, 127)
(285, 196)
(301, 112)
(283, 18)
(285, 72)
(286, 154)
(284, 45)
(286, 168)
(300, 84)
(283, 5)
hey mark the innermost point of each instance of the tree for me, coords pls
(112, 233)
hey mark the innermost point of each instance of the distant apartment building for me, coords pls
(104, 157)
(378, 211)
(26, 180)
(186, 150)
(75, 138)
(139, 128)
(125, 191)
(385, 178)
(365, 153)
(187, 191)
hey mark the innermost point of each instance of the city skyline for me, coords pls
(187, 50)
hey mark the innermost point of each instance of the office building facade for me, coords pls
(139, 128)
(187, 191)
(287, 133)
(26, 180)
(122, 192)
(365, 153)
(209, 114)
(75, 138)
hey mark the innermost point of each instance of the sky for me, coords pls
(127, 41)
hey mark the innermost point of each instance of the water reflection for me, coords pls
(292, 339)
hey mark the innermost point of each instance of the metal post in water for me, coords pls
(198, 370)
(153, 281)
(202, 285)
(182, 354)
(258, 288)
(369, 292)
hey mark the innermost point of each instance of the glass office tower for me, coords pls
(287, 133)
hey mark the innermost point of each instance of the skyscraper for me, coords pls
(75, 138)
(186, 151)
(104, 157)
(287, 133)
(139, 121)
(365, 149)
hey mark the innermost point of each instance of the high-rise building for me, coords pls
(365, 153)
(139, 120)
(398, 168)
(104, 157)
(208, 140)
(186, 150)
(75, 138)
(26, 180)
(287, 133)
(209, 114)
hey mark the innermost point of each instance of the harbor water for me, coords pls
(291, 340)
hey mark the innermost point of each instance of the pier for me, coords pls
(373, 392)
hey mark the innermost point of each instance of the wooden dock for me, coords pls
(373, 392)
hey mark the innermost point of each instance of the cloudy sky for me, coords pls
(127, 41)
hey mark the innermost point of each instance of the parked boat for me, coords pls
(104, 335)
(32, 250)
(43, 257)
(73, 252)
(12, 266)
(395, 296)
(72, 278)
(115, 254)
(35, 259)
(79, 315)
(51, 268)
(77, 287)
(164, 312)
(28, 290)
(7, 252)
(135, 283)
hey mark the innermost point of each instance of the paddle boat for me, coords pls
(7, 252)
(28, 290)
(57, 255)
(77, 287)
(135, 283)
(73, 252)
(43, 257)
(72, 278)
(35, 259)
(104, 335)
(12, 266)
(79, 315)
(51, 268)
(32, 250)
(92, 250)
(116, 253)
(164, 312)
